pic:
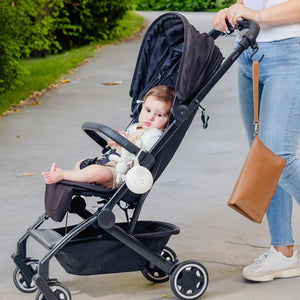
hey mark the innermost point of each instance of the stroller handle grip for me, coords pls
(251, 34)
(93, 129)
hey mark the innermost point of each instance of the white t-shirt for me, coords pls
(148, 137)
(273, 32)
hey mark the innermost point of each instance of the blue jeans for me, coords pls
(279, 115)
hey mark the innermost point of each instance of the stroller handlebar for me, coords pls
(93, 129)
(251, 34)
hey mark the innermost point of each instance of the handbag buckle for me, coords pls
(256, 124)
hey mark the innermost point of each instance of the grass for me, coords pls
(48, 70)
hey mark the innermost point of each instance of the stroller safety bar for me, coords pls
(93, 129)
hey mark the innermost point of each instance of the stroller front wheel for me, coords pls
(58, 289)
(189, 280)
(26, 285)
(156, 275)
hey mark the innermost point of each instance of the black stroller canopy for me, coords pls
(174, 53)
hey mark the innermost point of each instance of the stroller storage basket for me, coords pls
(94, 251)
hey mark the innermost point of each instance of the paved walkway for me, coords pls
(192, 193)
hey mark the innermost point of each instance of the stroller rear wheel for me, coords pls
(156, 275)
(59, 290)
(20, 281)
(189, 280)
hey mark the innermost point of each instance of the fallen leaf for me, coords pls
(25, 174)
(13, 110)
(112, 83)
(34, 102)
(65, 81)
(36, 94)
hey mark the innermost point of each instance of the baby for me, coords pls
(153, 119)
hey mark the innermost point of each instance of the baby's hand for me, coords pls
(113, 143)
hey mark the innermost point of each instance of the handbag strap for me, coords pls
(255, 76)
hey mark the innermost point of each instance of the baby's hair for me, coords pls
(162, 92)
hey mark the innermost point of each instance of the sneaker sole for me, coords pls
(278, 274)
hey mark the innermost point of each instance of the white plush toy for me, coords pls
(138, 179)
(125, 161)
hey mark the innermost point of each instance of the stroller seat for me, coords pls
(59, 198)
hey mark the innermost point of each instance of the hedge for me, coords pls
(42, 27)
(183, 5)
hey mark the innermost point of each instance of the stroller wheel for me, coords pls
(59, 290)
(26, 286)
(155, 274)
(189, 280)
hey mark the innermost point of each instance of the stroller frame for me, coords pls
(32, 274)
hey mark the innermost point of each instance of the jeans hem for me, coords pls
(279, 244)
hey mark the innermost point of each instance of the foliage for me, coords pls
(43, 27)
(61, 24)
(90, 20)
(42, 72)
(182, 5)
(11, 40)
(39, 25)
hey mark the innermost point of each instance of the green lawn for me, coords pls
(48, 70)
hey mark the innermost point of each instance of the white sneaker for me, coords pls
(271, 265)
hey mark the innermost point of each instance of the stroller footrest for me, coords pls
(47, 237)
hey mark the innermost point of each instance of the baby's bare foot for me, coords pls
(53, 167)
(55, 175)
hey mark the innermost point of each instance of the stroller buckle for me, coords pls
(204, 118)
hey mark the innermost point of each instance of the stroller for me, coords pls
(172, 53)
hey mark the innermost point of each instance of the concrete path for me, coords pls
(192, 192)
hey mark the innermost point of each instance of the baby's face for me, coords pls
(154, 113)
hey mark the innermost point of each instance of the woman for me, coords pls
(279, 114)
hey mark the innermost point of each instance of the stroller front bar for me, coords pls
(93, 129)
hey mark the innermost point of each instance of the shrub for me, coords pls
(174, 5)
(182, 5)
(11, 41)
(90, 20)
(42, 27)
(40, 37)
(56, 25)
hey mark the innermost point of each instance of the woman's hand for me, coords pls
(237, 11)
(218, 22)
(232, 14)
(286, 12)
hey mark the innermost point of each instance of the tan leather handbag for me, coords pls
(260, 173)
